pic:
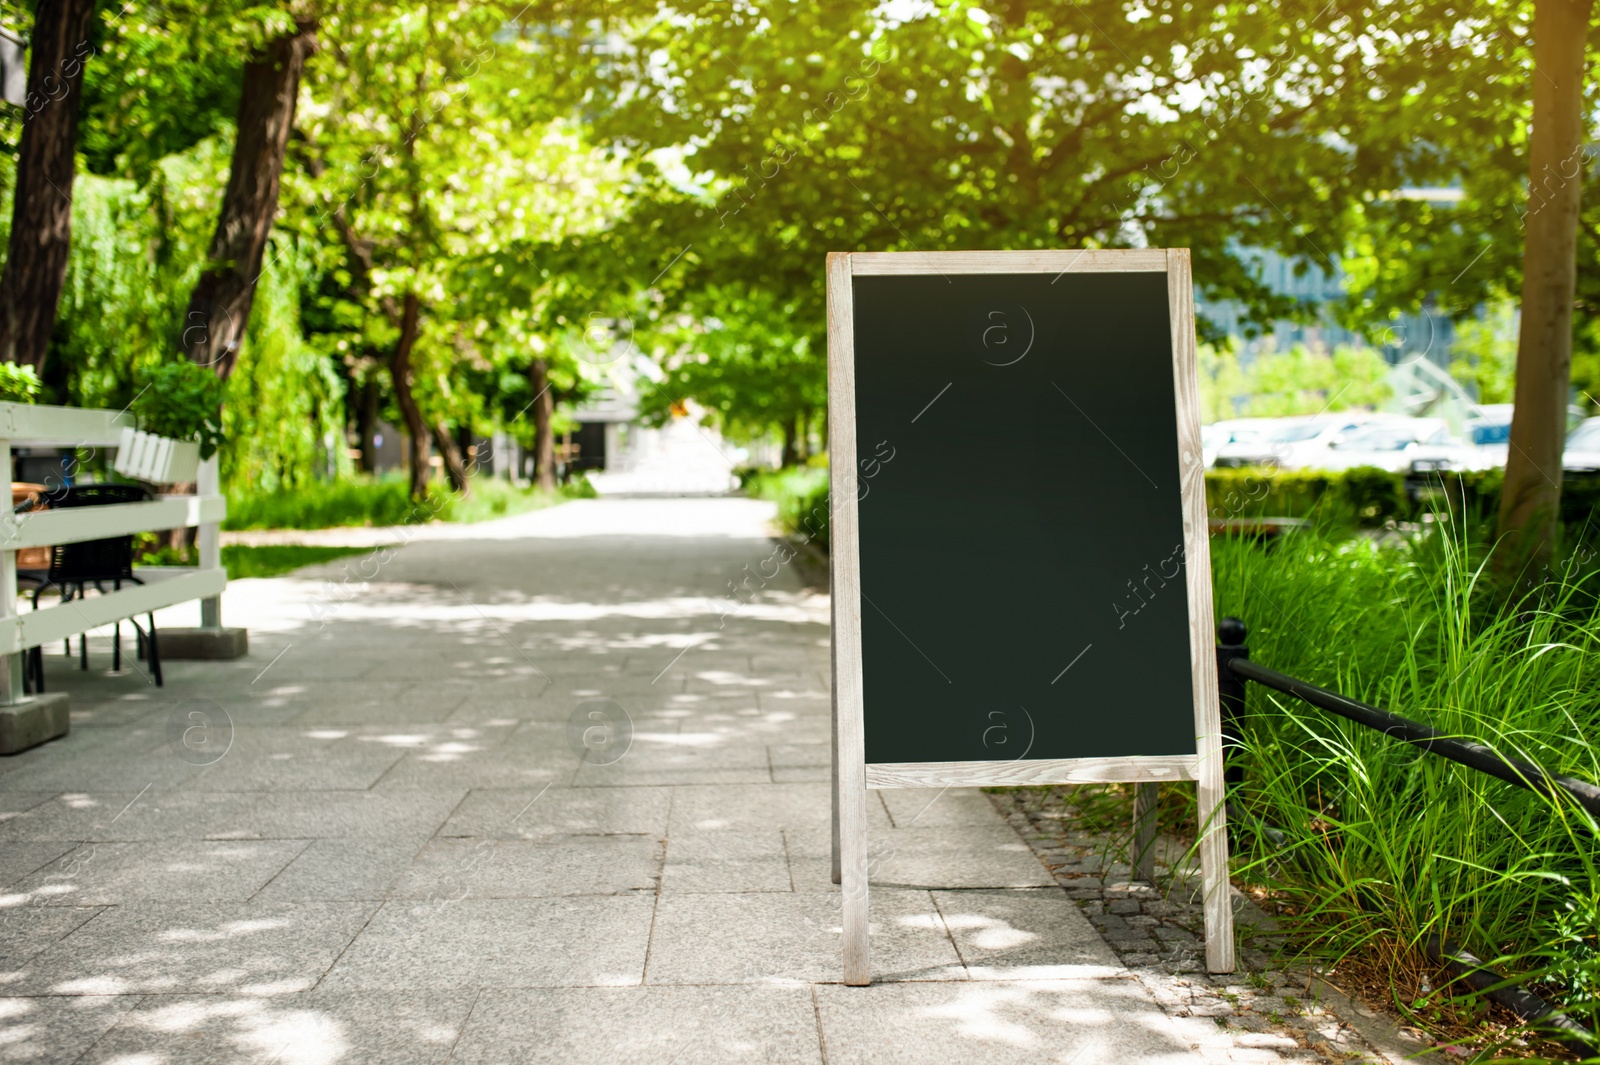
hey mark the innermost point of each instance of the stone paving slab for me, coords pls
(109, 874)
(461, 941)
(1071, 1022)
(711, 1025)
(369, 1027)
(193, 946)
(394, 846)
(56, 1031)
(793, 938)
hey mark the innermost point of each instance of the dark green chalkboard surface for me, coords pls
(1020, 518)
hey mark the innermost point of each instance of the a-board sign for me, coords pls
(1021, 576)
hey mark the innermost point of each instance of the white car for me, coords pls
(1405, 445)
(1583, 449)
(1218, 435)
(1490, 432)
(1293, 444)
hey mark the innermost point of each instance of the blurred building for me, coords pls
(1316, 283)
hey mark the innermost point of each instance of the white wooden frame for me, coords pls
(25, 425)
(852, 776)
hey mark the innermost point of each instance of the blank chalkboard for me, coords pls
(1021, 535)
(1021, 577)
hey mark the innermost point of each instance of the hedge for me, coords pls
(1365, 496)
(1371, 497)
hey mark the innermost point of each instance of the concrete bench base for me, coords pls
(212, 644)
(33, 721)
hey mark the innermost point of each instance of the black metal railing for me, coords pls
(1234, 668)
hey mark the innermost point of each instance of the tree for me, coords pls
(404, 96)
(738, 353)
(41, 213)
(957, 125)
(1530, 501)
(1504, 134)
(219, 309)
(544, 436)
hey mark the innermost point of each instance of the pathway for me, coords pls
(375, 840)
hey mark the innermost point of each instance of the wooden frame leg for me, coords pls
(1144, 832)
(853, 881)
(838, 871)
(834, 731)
(1214, 866)
(850, 824)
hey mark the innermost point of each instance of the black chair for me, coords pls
(73, 567)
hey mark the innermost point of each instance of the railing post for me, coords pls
(209, 541)
(11, 666)
(1231, 635)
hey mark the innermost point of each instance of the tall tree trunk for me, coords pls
(544, 436)
(454, 467)
(367, 423)
(1530, 501)
(41, 214)
(791, 441)
(219, 308)
(400, 374)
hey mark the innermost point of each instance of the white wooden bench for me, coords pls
(24, 720)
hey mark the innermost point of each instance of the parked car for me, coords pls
(1293, 444)
(1583, 448)
(1218, 435)
(1405, 445)
(1489, 430)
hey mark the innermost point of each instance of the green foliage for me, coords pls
(136, 251)
(1223, 383)
(439, 148)
(1484, 354)
(285, 414)
(1275, 383)
(163, 77)
(802, 496)
(135, 254)
(18, 384)
(181, 400)
(1371, 497)
(742, 354)
(1303, 381)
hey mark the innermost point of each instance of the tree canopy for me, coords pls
(470, 189)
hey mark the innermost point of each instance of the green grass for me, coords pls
(386, 502)
(242, 561)
(1385, 845)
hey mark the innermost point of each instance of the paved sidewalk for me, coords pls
(375, 840)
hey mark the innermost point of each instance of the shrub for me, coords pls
(181, 400)
(1370, 497)
(802, 497)
(18, 384)
(384, 502)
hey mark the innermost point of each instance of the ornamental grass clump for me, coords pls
(1380, 846)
